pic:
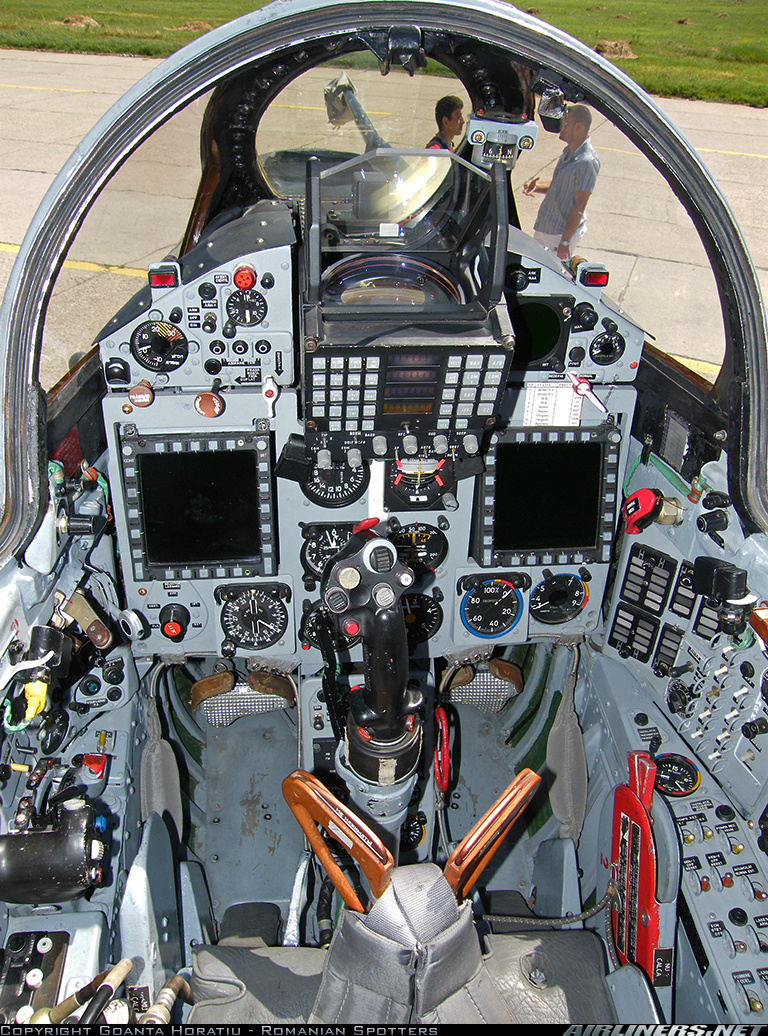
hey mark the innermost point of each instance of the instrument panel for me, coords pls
(241, 463)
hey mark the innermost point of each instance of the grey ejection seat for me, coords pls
(414, 957)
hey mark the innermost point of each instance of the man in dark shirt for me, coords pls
(561, 222)
(450, 122)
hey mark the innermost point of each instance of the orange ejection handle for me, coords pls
(473, 853)
(312, 804)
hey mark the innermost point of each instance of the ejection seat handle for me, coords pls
(473, 853)
(312, 805)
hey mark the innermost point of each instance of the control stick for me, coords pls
(361, 589)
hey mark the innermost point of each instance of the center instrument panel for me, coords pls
(255, 416)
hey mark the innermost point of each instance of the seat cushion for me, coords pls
(551, 977)
(233, 984)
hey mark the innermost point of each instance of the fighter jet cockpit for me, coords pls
(382, 608)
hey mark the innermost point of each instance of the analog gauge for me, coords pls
(247, 308)
(321, 542)
(159, 346)
(310, 634)
(607, 348)
(423, 547)
(418, 482)
(335, 486)
(255, 617)
(676, 775)
(491, 609)
(558, 598)
(423, 618)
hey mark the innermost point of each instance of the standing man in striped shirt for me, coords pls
(561, 221)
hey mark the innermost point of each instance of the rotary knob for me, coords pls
(174, 620)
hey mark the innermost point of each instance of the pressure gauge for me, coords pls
(159, 345)
(558, 599)
(246, 308)
(676, 775)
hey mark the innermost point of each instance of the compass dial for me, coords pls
(423, 547)
(335, 486)
(676, 775)
(159, 346)
(321, 542)
(491, 609)
(558, 599)
(423, 618)
(254, 618)
(246, 308)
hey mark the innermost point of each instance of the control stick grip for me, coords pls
(380, 704)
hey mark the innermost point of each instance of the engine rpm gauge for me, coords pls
(254, 618)
(335, 486)
(558, 598)
(492, 608)
(247, 308)
(159, 346)
(676, 775)
(421, 546)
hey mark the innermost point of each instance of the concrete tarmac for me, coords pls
(659, 272)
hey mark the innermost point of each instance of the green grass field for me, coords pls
(707, 49)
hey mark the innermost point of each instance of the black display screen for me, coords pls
(547, 496)
(200, 508)
(411, 383)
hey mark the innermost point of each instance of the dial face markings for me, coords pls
(246, 308)
(309, 632)
(335, 486)
(159, 345)
(491, 609)
(558, 599)
(676, 775)
(423, 547)
(254, 618)
(321, 542)
(423, 618)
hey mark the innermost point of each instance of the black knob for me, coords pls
(174, 620)
(754, 727)
(738, 916)
(712, 521)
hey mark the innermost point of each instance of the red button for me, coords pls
(244, 278)
(351, 628)
(172, 629)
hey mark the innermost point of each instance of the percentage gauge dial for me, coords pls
(491, 609)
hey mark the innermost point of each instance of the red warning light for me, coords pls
(163, 279)
(594, 278)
